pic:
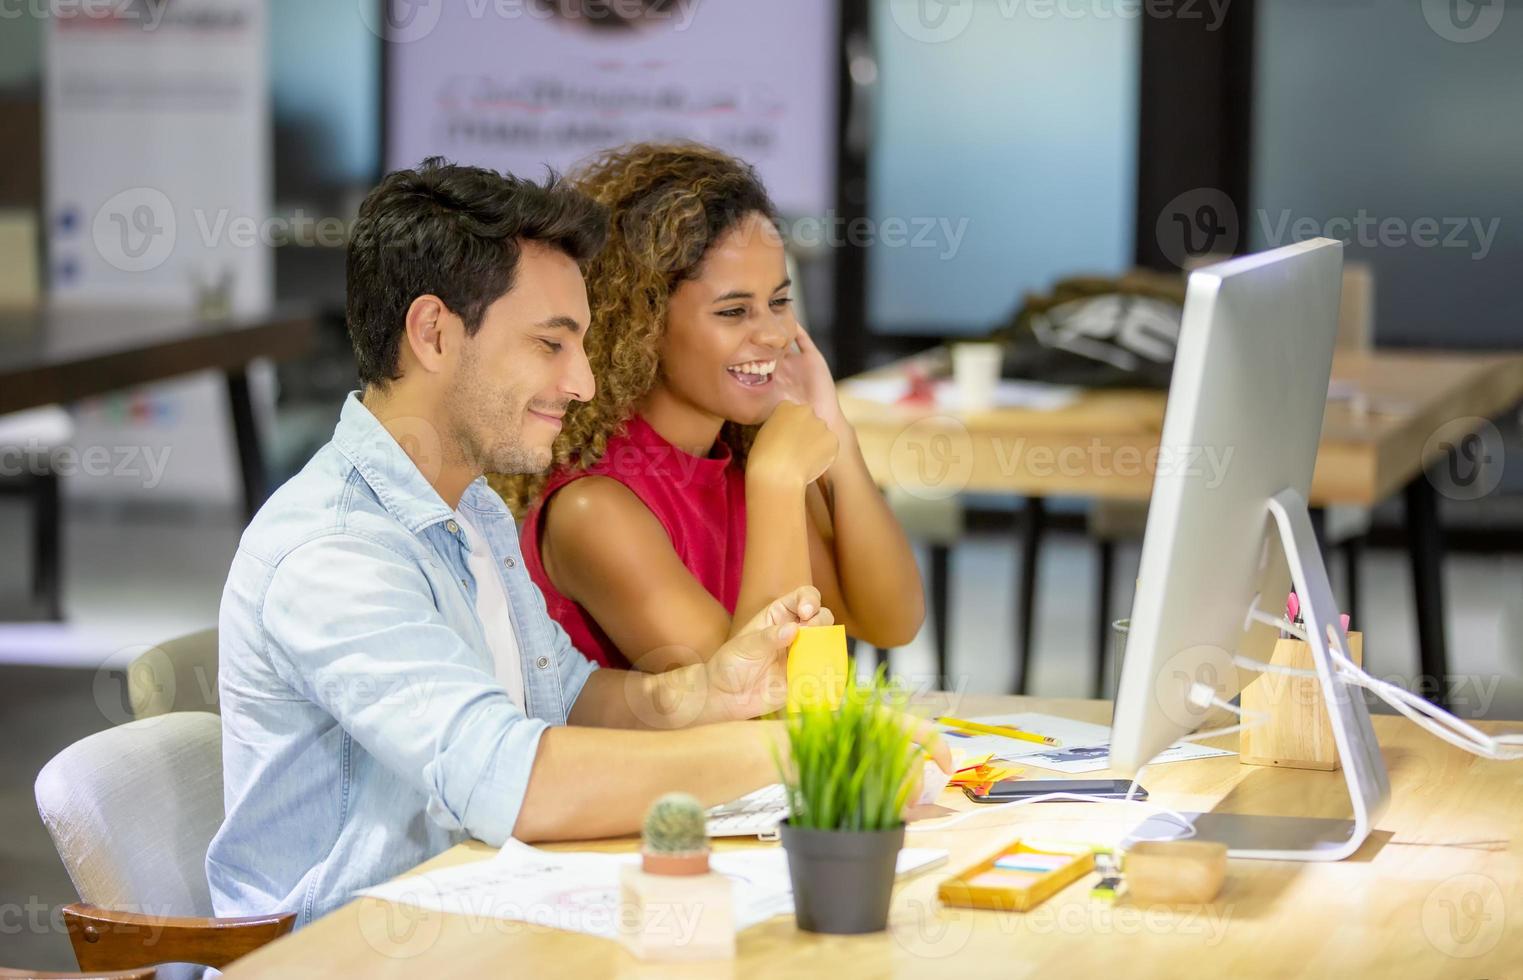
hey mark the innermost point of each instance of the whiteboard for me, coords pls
(517, 85)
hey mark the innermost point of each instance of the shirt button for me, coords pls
(453, 527)
(465, 583)
(509, 562)
(542, 663)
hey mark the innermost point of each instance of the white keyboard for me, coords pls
(756, 813)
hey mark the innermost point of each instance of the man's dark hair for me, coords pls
(454, 232)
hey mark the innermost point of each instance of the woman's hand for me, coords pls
(804, 377)
(793, 449)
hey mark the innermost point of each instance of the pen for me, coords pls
(1003, 730)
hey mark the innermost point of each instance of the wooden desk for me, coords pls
(1414, 407)
(1436, 891)
(62, 354)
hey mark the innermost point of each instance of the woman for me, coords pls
(714, 468)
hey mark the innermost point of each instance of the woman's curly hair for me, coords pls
(669, 203)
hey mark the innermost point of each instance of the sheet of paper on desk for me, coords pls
(1096, 757)
(1083, 747)
(579, 891)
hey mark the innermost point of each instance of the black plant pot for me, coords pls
(842, 879)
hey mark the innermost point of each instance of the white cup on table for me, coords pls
(975, 371)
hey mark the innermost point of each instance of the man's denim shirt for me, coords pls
(363, 730)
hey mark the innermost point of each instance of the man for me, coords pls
(390, 682)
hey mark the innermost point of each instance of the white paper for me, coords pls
(579, 891)
(1082, 747)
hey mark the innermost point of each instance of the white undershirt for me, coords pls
(492, 610)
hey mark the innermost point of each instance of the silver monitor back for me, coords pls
(1228, 522)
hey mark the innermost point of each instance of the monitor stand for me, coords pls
(1287, 838)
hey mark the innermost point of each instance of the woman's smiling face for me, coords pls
(729, 324)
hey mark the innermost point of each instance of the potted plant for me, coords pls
(672, 885)
(848, 772)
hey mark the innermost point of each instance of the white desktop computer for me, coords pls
(1224, 542)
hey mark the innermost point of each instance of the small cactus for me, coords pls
(675, 824)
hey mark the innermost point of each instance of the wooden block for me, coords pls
(1172, 872)
(677, 917)
(817, 667)
(1297, 733)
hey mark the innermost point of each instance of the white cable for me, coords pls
(1427, 715)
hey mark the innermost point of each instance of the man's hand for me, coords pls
(748, 676)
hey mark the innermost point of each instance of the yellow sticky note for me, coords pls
(817, 667)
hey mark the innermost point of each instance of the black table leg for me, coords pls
(1033, 521)
(246, 434)
(1105, 561)
(1319, 529)
(1353, 554)
(941, 578)
(47, 545)
(1425, 548)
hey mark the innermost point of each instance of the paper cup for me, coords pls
(975, 371)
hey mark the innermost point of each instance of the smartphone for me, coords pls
(1017, 789)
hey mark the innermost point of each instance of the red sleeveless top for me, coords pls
(700, 501)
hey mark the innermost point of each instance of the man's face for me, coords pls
(527, 363)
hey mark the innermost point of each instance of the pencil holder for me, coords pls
(1295, 731)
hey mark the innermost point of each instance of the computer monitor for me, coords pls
(1228, 530)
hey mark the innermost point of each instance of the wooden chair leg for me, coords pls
(1033, 522)
(1105, 563)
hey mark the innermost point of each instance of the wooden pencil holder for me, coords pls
(1296, 732)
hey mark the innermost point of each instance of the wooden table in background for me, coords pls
(1412, 408)
(1436, 891)
(62, 354)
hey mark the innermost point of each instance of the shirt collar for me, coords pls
(390, 472)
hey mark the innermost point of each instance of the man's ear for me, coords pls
(424, 334)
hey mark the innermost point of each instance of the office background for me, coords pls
(1041, 141)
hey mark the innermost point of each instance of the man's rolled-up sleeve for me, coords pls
(352, 625)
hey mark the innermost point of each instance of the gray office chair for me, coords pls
(132, 811)
(177, 675)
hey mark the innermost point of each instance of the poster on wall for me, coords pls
(522, 84)
(158, 191)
